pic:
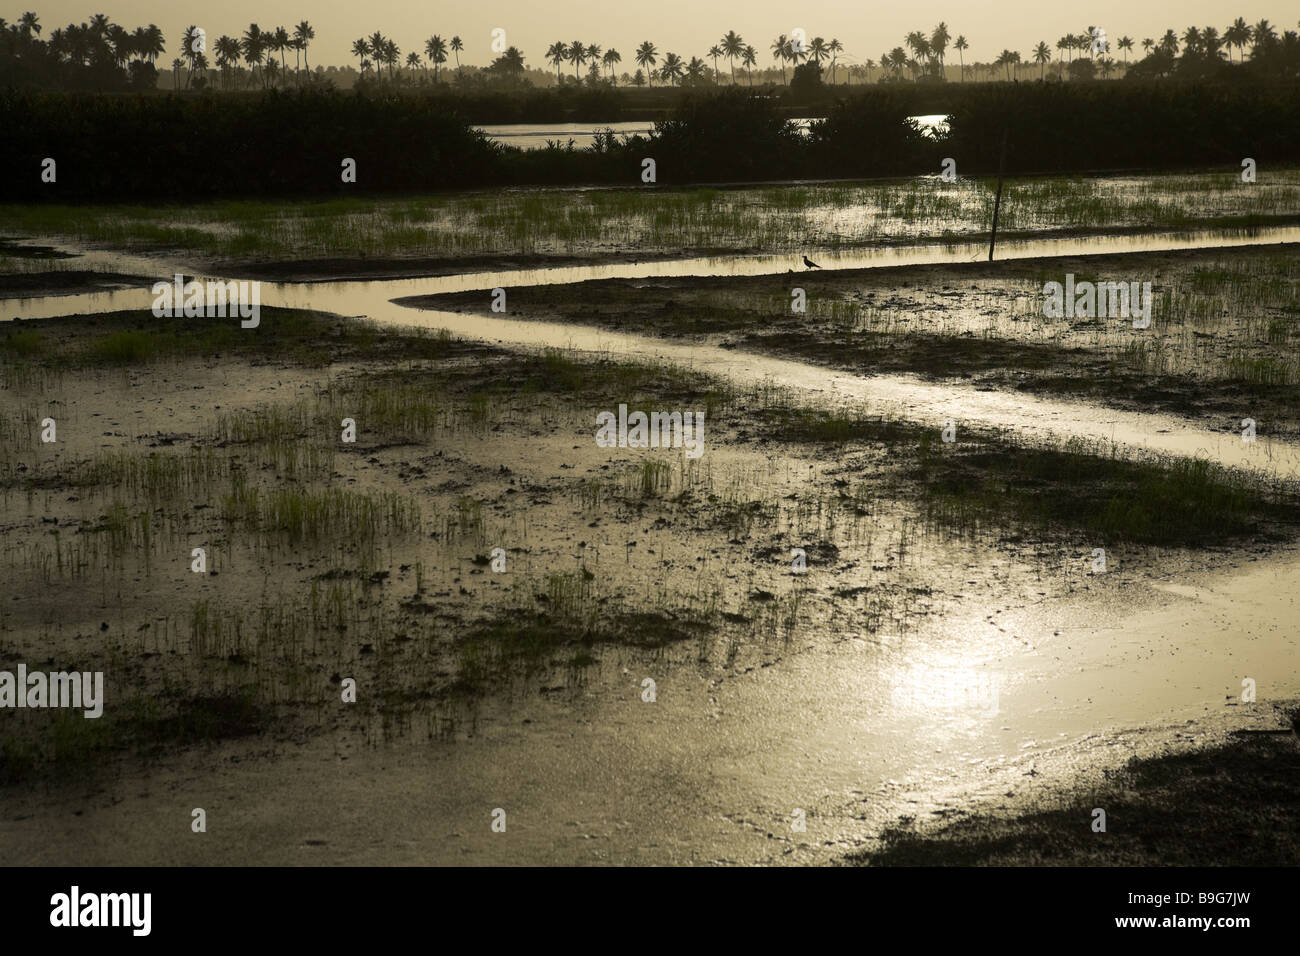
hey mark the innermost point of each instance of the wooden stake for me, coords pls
(997, 202)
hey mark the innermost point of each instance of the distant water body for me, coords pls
(536, 135)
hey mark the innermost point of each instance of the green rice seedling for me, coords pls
(655, 476)
(465, 522)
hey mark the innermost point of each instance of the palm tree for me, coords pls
(612, 59)
(673, 67)
(435, 48)
(898, 59)
(577, 55)
(1126, 44)
(836, 48)
(392, 56)
(253, 45)
(1169, 42)
(227, 52)
(646, 57)
(557, 53)
(457, 44)
(593, 54)
(1191, 41)
(697, 68)
(919, 45)
(1008, 58)
(378, 51)
(960, 45)
(413, 61)
(1042, 54)
(939, 44)
(1066, 44)
(361, 50)
(1262, 34)
(29, 24)
(280, 43)
(1238, 35)
(189, 40)
(304, 33)
(1147, 44)
(715, 51)
(1212, 43)
(176, 73)
(733, 46)
(781, 51)
(818, 51)
(155, 48)
(749, 59)
(120, 41)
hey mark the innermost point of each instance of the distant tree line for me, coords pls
(293, 142)
(101, 55)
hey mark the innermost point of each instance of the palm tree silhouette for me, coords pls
(557, 53)
(361, 50)
(253, 46)
(1238, 35)
(939, 45)
(456, 46)
(378, 47)
(960, 45)
(435, 48)
(227, 53)
(818, 51)
(673, 67)
(611, 59)
(280, 43)
(733, 46)
(188, 42)
(1262, 35)
(1042, 54)
(577, 56)
(304, 33)
(749, 59)
(780, 51)
(646, 57)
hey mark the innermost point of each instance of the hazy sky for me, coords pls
(686, 27)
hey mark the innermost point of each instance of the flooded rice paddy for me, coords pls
(912, 669)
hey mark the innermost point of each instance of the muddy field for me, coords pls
(841, 632)
(1221, 345)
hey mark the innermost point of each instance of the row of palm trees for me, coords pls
(96, 41)
(99, 42)
(579, 53)
(928, 52)
(377, 50)
(257, 48)
(732, 46)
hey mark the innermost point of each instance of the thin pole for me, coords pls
(997, 202)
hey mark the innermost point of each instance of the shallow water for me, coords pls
(857, 731)
(902, 396)
(536, 135)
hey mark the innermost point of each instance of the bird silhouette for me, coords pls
(810, 264)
